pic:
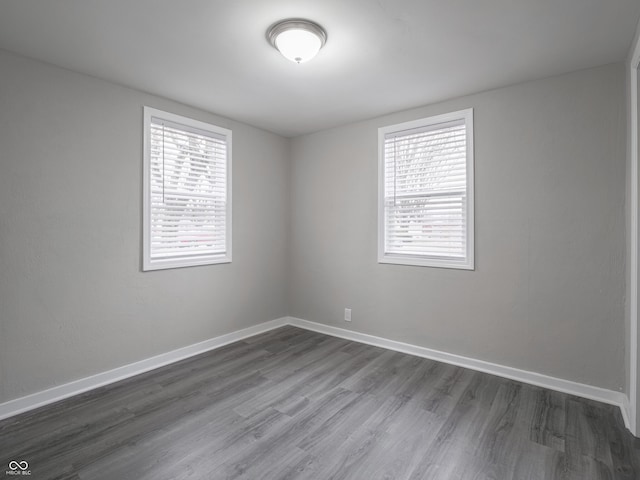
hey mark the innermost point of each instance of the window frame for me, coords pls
(468, 263)
(149, 264)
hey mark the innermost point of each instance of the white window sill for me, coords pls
(159, 264)
(417, 261)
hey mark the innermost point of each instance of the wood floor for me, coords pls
(293, 404)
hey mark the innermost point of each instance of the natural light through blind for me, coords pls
(425, 203)
(188, 192)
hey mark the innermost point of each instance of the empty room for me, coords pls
(337, 239)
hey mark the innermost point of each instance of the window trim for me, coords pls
(423, 260)
(160, 264)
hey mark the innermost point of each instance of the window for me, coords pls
(187, 192)
(425, 208)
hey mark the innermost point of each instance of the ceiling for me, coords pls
(381, 56)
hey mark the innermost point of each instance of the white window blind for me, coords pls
(187, 194)
(426, 199)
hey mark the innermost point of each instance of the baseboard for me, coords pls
(625, 409)
(45, 397)
(566, 386)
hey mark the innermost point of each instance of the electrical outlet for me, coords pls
(347, 314)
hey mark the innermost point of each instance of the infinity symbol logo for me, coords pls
(13, 465)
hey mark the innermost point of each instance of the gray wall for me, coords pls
(547, 294)
(73, 300)
(628, 243)
(637, 406)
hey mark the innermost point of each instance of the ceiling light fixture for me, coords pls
(297, 39)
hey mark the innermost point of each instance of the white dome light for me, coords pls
(296, 39)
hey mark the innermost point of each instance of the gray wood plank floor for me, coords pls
(293, 404)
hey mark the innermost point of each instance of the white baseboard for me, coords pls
(625, 409)
(611, 397)
(45, 397)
